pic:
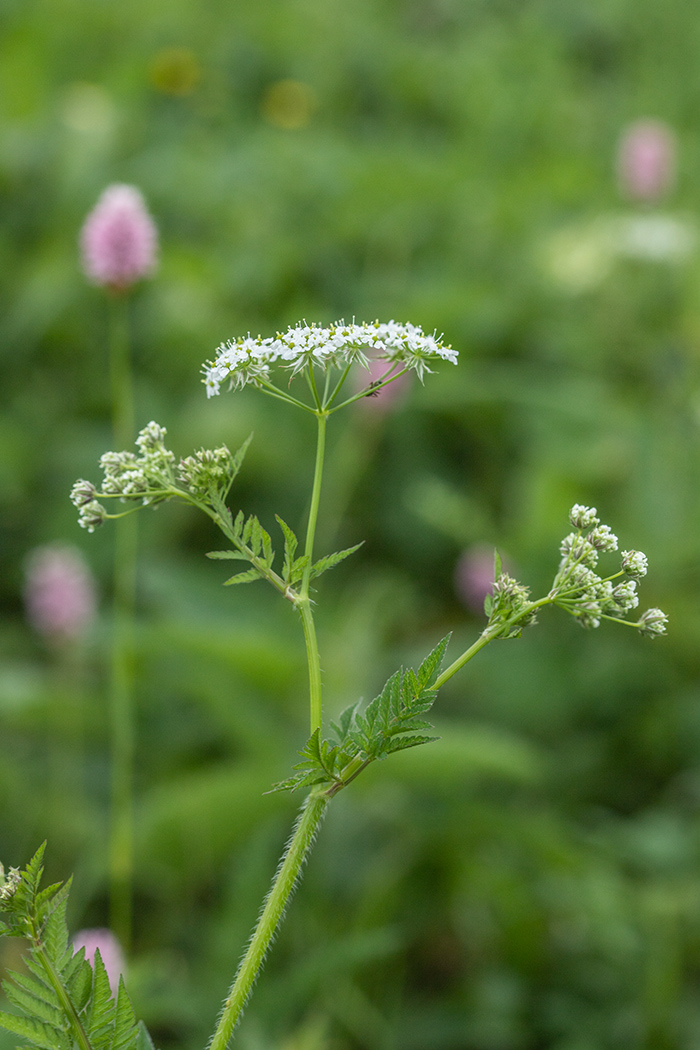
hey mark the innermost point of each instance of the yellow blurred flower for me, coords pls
(289, 104)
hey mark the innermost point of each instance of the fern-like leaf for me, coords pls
(331, 560)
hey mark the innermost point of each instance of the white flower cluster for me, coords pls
(590, 597)
(248, 360)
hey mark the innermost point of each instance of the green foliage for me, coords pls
(253, 544)
(391, 722)
(64, 1002)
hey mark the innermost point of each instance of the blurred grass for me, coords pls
(533, 881)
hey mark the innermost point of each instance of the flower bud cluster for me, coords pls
(148, 477)
(9, 882)
(152, 475)
(248, 360)
(508, 606)
(590, 597)
(208, 471)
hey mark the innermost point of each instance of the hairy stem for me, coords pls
(272, 913)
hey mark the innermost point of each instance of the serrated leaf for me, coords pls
(238, 457)
(124, 1021)
(100, 1012)
(331, 560)
(408, 741)
(56, 931)
(308, 779)
(255, 536)
(238, 524)
(345, 722)
(33, 1006)
(226, 555)
(430, 668)
(34, 987)
(243, 577)
(290, 545)
(38, 1033)
(143, 1038)
(298, 569)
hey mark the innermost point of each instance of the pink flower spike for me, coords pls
(119, 239)
(59, 593)
(646, 160)
(110, 952)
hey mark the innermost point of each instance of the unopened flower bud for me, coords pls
(652, 623)
(92, 515)
(603, 538)
(9, 882)
(583, 517)
(82, 492)
(634, 563)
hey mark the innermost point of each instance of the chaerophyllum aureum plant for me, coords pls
(63, 1002)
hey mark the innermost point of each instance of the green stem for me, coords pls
(273, 911)
(484, 638)
(122, 670)
(63, 997)
(121, 380)
(304, 602)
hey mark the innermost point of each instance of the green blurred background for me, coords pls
(533, 880)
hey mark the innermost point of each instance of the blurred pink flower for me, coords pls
(119, 239)
(59, 592)
(391, 395)
(474, 577)
(110, 952)
(646, 160)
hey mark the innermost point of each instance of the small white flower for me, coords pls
(247, 360)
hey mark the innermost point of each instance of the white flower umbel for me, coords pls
(307, 346)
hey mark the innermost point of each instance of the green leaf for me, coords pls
(33, 1006)
(143, 1038)
(100, 1013)
(238, 524)
(290, 545)
(243, 577)
(331, 560)
(227, 555)
(239, 456)
(38, 1033)
(402, 743)
(430, 668)
(125, 1032)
